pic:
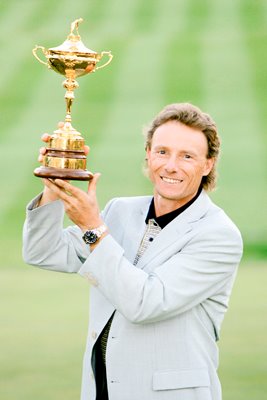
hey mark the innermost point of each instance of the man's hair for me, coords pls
(193, 117)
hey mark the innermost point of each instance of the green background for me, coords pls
(208, 52)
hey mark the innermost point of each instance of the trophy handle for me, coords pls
(34, 52)
(109, 60)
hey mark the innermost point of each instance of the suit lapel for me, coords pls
(176, 229)
(135, 228)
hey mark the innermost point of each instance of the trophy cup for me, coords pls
(65, 157)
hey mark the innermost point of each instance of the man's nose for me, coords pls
(171, 165)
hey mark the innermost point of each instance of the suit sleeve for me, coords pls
(46, 244)
(205, 267)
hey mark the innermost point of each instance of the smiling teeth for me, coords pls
(170, 180)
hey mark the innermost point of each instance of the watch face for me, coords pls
(90, 237)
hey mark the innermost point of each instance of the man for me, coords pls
(161, 268)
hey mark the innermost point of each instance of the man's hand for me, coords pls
(81, 207)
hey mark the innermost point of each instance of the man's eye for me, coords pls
(187, 156)
(162, 152)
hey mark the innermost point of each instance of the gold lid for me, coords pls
(73, 44)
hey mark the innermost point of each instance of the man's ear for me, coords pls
(208, 166)
(148, 153)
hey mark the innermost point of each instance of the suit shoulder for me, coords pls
(126, 202)
(121, 207)
(218, 221)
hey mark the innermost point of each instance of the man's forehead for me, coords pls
(175, 130)
(175, 135)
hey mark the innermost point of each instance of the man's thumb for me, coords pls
(93, 182)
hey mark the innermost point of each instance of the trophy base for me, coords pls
(63, 173)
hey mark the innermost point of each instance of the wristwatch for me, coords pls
(93, 235)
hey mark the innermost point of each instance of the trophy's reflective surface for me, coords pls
(65, 157)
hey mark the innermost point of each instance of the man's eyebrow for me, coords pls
(184, 151)
(160, 146)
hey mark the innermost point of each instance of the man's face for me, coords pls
(177, 161)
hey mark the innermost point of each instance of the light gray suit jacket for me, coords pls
(169, 308)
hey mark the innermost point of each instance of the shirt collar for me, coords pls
(165, 219)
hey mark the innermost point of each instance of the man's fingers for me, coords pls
(45, 137)
(42, 152)
(62, 184)
(57, 189)
(93, 182)
(86, 149)
(68, 192)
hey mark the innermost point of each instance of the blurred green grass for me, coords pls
(243, 362)
(208, 52)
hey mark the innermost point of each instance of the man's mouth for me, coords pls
(171, 180)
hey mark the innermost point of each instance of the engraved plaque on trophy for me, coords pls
(65, 157)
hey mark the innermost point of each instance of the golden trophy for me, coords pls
(65, 157)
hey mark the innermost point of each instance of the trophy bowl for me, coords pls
(65, 157)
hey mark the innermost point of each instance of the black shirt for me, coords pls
(165, 219)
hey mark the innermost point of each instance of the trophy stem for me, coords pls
(69, 101)
(70, 84)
